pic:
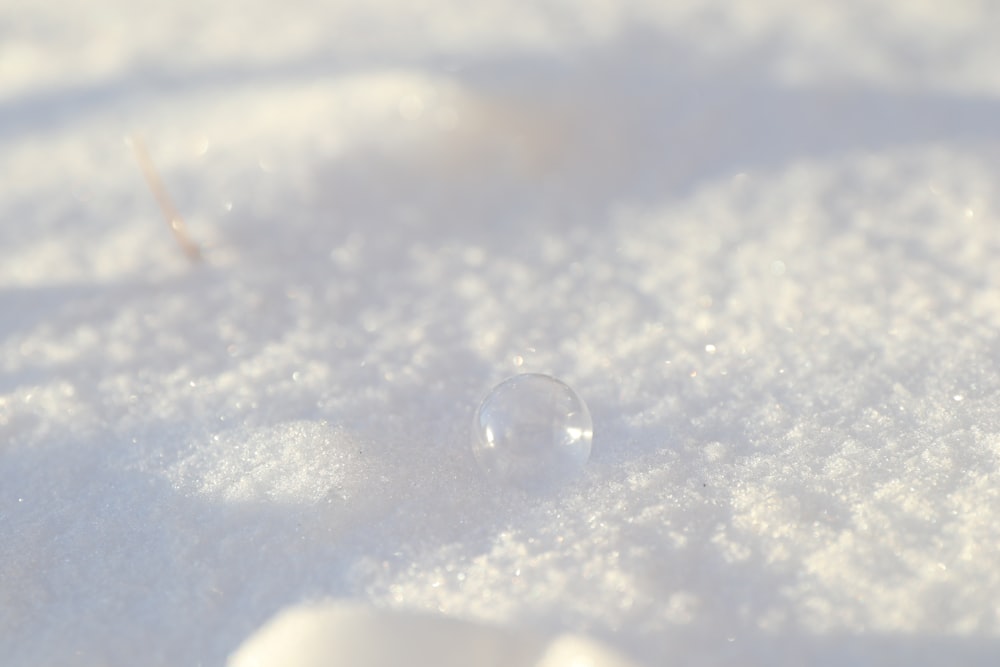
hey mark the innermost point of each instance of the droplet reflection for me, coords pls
(532, 431)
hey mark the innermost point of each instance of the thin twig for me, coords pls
(174, 220)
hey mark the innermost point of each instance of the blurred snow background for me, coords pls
(760, 241)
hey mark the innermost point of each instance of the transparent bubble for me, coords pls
(532, 431)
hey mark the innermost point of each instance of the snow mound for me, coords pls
(338, 633)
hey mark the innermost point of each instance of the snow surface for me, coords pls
(760, 241)
(317, 635)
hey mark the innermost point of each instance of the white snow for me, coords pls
(760, 242)
(348, 634)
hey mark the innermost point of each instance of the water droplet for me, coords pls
(532, 431)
